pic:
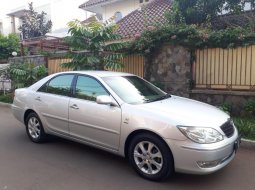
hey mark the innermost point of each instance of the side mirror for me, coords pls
(106, 100)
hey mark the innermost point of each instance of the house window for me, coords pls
(118, 16)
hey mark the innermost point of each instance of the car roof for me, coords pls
(99, 73)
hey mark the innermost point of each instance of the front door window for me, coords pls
(88, 88)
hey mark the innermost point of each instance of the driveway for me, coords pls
(64, 165)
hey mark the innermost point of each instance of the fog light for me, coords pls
(208, 164)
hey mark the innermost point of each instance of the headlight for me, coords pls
(201, 135)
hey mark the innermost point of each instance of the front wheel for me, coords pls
(34, 128)
(150, 157)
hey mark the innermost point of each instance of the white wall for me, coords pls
(60, 12)
(1, 27)
(7, 29)
(64, 11)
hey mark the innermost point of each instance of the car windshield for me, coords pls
(134, 90)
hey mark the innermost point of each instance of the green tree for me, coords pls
(34, 24)
(95, 46)
(8, 44)
(200, 11)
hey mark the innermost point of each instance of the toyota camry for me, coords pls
(124, 114)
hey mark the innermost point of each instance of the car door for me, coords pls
(91, 122)
(52, 102)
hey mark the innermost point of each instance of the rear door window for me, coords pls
(60, 85)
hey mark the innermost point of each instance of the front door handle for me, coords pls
(74, 106)
(38, 98)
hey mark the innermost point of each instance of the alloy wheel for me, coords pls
(148, 157)
(34, 127)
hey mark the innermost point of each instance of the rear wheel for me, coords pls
(150, 157)
(35, 129)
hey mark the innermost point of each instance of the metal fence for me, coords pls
(5, 84)
(218, 68)
(133, 64)
(54, 65)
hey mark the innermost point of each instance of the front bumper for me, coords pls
(188, 155)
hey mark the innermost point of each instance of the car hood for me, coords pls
(187, 112)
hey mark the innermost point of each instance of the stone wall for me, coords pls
(170, 66)
(37, 59)
(235, 99)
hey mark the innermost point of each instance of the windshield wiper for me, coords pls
(160, 98)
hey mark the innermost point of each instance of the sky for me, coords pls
(62, 12)
(9, 5)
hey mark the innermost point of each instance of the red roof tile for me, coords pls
(149, 15)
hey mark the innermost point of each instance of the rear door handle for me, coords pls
(74, 106)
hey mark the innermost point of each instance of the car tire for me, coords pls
(150, 157)
(34, 128)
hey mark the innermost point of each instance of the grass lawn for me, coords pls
(245, 126)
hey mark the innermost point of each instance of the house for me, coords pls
(11, 19)
(132, 16)
(11, 22)
(106, 9)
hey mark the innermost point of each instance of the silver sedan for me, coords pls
(121, 113)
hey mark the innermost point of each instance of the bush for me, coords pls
(249, 106)
(246, 127)
(24, 75)
(226, 107)
(8, 44)
(8, 98)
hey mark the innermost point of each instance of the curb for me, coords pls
(5, 105)
(245, 143)
(248, 144)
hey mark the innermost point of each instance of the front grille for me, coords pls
(228, 128)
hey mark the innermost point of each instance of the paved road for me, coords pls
(64, 165)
